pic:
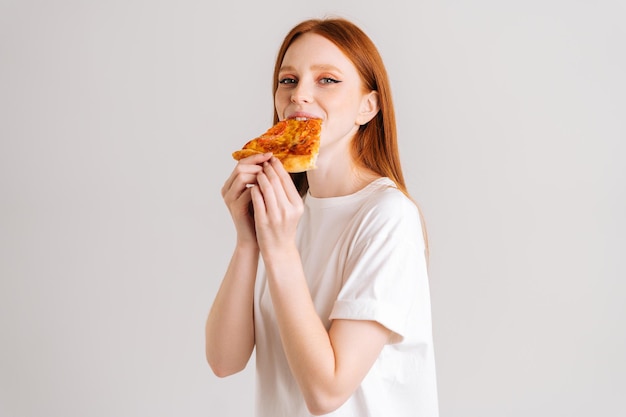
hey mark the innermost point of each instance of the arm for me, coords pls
(230, 324)
(328, 365)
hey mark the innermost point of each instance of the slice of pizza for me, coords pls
(295, 142)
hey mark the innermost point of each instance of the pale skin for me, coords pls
(316, 80)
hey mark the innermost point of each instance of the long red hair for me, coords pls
(375, 145)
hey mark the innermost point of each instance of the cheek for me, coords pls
(340, 123)
(280, 103)
(344, 113)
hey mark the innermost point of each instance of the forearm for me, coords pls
(230, 323)
(305, 340)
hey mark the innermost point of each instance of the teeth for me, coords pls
(301, 119)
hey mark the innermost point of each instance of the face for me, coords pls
(317, 80)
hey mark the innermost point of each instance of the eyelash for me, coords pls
(324, 80)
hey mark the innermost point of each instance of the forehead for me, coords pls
(314, 49)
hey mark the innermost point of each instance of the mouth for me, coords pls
(302, 117)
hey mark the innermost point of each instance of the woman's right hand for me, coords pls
(236, 195)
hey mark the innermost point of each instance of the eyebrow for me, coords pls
(319, 67)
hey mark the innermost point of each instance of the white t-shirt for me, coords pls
(363, 258)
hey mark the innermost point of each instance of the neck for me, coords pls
(338, 176)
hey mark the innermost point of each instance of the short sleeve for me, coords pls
(384, 267)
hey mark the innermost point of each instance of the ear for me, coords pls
(369, 108)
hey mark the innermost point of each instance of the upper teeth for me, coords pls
(301, 119)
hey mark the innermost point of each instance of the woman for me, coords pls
(340, 312)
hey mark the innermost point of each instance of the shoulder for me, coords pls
(386, 208)
(386, 199)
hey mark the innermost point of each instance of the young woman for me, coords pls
(339, 308)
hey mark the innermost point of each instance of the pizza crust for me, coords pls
(291, 163)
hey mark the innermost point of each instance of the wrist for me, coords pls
(247, 245)
(280, 256)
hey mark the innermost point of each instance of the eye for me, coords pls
(328, 80)
(287, 81)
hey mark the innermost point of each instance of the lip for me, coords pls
(300, 114)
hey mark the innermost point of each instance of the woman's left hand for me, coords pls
(277, 207)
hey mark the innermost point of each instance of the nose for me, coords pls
(301, 94)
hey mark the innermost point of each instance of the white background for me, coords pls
(117, 120)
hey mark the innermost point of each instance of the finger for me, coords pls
(291, 191)
(248, 163)
(238, 186)
(278, 185)
(270, 171)
(269, 192)
(242, 175)
(245, 196)
(258, 204)
(256, 159)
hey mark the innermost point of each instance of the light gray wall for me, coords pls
(117, 119)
